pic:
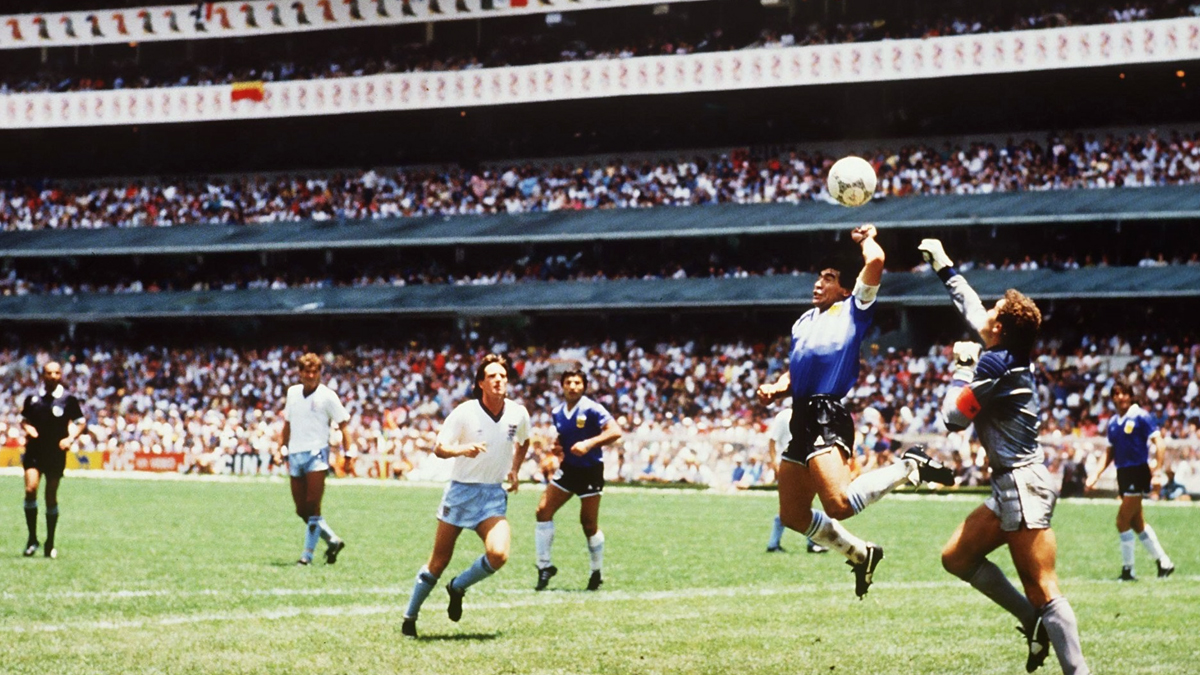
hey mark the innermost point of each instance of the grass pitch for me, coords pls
(198, 577)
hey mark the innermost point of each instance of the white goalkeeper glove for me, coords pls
(933, 253)
(966, 357)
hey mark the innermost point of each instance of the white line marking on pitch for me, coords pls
(531, 599)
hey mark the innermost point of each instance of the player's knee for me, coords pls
(544, 514)
(496, 559)
(839, 509)
(590, 526)
(436, 567)
(955, 564)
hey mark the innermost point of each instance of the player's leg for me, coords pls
(314, 496)
(32, 480)
(589, 519)
(497, 537)
(299, 486)
(1034, 553)
(1129, 515)
(427, 577)
(775, 542)
(1148, 537)
(965, 556)
(553, 497)
(52, 482)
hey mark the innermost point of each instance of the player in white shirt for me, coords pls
(488, 436)
(309, 412)
(779, 435)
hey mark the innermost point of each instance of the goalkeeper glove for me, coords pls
(933, 253)
(966, 357)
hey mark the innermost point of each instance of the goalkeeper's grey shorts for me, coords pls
(1023, 496)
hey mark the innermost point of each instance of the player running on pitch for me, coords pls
(823, 366)
(1130, 433)
(997, 393)
(488, 438)
(584, 427)
(311, 408)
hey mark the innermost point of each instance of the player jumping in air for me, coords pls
(1130, 433)
(823, 367)
(997, 393)
(584, 427)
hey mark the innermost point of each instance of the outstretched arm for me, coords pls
(873, 256)
(965, 299)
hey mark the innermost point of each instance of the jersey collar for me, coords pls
(57, 393)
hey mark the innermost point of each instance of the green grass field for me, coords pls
(197, 577)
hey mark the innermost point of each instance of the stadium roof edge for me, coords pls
(1170, 203)
(627, 295)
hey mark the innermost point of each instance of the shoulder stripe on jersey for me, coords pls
(1024, 390)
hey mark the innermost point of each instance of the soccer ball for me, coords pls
(851, 181)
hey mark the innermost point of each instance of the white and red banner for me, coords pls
(148, 461)
(1021, 51)
(247, 18)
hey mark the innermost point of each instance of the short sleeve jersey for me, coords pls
(825, 347)
(586, 420)
(781, 430)
(1130, 435)
(309, 417)
(51, 413)
(470, 422)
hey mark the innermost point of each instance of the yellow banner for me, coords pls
(10, 456)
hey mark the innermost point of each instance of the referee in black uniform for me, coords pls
(53, 420)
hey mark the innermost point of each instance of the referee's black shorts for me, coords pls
(50, 462)
(820, 424)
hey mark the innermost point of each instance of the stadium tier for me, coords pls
(611, 31)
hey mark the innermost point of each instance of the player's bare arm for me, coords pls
(464, 450)
(74, 431)
(30, 430)
(772, 392)
(611, 433)
(1108, 459)
(873, 255)
(1160, 451)
(514, 482)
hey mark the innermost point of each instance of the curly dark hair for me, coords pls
(1019, 319)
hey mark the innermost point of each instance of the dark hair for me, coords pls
(480, 372)
(1121, 385)
(847, 267)
(1019, 319)
(574, 372)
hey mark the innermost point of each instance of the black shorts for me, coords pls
(1134, 481)
(820, 424)
(49, 462)
(582, 481)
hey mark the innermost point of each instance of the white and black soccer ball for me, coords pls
(851, 181)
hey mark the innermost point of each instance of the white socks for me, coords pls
(544, 539)
(596, 550)
(870, 487)
(829, 533)
(1150, 541)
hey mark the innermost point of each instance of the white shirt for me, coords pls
(781, 431)
(310, 417)
(468, 423)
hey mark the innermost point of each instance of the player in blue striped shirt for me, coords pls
(823, 366)
(584, 427)
(1130, 433)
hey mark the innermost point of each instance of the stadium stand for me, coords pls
(616, 33)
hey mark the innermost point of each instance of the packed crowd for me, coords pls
(1068, 161)
(638, 38)
(689, 410)
(42, 278)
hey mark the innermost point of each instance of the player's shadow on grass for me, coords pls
(457, 637)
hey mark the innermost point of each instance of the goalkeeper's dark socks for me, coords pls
(31, 509)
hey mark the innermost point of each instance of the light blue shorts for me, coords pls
(466, 505)
(303, 463)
